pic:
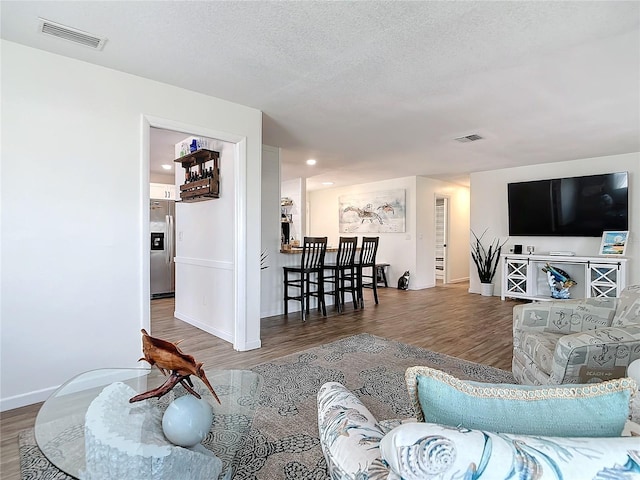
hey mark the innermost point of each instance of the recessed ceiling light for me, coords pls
(166, 167)
(311, 161)
(327, 183)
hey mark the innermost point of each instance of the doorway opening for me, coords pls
(205, 276)
(442, 232)
(163, 194)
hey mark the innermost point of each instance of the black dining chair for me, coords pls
(366, 264)
(307, 279)
(342, 275)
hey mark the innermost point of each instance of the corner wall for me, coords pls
(489, 208)
(73, 243)
(271, 276)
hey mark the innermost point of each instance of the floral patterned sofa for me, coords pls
(358, 447)
(576, 341)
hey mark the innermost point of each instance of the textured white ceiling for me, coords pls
(377, 90)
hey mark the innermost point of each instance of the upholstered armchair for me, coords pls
(576, 341)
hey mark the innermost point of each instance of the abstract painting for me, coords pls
(374, 212)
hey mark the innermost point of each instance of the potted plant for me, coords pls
(486, 261)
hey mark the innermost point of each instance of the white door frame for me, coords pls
(240, 239)
(445, 238)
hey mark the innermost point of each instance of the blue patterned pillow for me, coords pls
(587, 410)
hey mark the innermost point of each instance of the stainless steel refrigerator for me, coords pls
(162, 229)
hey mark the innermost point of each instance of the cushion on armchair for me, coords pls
(426, 450)
(595, 355)
(569, 316)
(628, 309)
(591, 410)
(540, 347)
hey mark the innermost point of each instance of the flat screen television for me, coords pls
(573, 207)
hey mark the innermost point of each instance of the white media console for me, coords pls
(522, 276)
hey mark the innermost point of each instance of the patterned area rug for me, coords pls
(283, 443)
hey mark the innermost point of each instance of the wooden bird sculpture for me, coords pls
(167, 357)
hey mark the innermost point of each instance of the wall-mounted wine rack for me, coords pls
(201, 183)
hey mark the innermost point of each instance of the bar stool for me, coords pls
(367, 260)
(309, 272)
(343, 273)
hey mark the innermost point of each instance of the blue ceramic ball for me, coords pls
(187, 421)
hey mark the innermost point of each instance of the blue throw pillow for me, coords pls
(586, 410)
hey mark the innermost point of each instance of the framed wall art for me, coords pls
(614, 242)
(374, 212)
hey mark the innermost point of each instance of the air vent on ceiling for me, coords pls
(469, 138)
(74, 35)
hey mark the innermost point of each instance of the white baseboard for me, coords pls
(25, 399)
(421, 286)
(251, 346)
(226, 336)
(271, 313)
(216, 332)
(458, 280)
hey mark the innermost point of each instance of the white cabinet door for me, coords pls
(160, 191)
(516, 278)
(606, 279)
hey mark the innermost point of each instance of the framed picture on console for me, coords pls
(614, 242)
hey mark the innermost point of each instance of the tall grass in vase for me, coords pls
(486, 261)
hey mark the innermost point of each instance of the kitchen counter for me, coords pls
(299, 250)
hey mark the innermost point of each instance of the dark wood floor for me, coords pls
(445, 319)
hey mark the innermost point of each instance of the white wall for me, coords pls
(205, 246)
(458, 230)
(413, 250)
(489, 208)
(75, 186)
(397, 249)
(271, 277)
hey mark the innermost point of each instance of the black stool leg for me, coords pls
(380, 275)
(354, 287)
(359, 286)
(374, 281)
(304, 296)
(336, 289)
(322, 306)
(286, 291)
(340, 273)
(375, 292)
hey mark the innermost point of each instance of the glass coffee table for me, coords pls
(60, 428)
